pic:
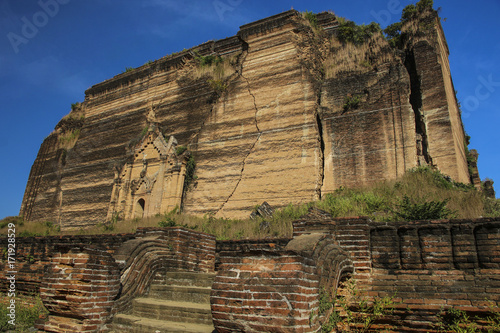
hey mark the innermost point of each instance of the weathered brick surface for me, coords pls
(156, 250)
(426, 265)
(34, 253)
(274, 285)
(273, 289)
(84, 280)
(79, 289)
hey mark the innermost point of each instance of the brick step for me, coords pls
(180, 293)
(134, 324)
(184, 279)
(176, 311)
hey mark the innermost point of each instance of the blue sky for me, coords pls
(51, 51)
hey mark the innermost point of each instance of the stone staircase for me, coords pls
(176, 302)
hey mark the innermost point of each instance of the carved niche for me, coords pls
(152, 182)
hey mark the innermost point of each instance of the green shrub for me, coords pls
(168, 222)
(349, 32)
(350, 103)
(409, 211)
(180, 150)
(208, 60)
(393, 31)
(312, 18)
(75, 106)
(190, 169)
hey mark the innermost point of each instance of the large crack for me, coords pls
(243, 163)
(416, 103)
(321, 165)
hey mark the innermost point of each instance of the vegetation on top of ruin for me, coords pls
(349, 32)
(411, 12)
(422, 193)
(352, 58)
(213, 69)
(313, 20)
(128, 69)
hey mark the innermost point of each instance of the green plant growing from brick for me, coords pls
(75, 106)
(351, 102)
(69, 136)
(219, 86)
(180, 150)
(356, 313)
(128, 69)
(214, 69)
(190, 170)
(410, 12)
(459, 321)
(138, 138)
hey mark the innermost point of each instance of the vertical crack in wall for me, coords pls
(416, 104)
(321, 134)
(259, 132)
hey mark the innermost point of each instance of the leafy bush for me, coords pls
(180, 150)
(349, 32)
(312, 18)
(410, 211)
(350, 103)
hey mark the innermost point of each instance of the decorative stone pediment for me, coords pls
(152, 181)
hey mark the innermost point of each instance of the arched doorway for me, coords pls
(139, 208)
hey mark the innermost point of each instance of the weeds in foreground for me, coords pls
(459, 321)
(353, 312)
(28, 310)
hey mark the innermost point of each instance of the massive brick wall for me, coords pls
(277, 133)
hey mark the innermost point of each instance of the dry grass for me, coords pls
(217, 72)
(345, 58)
(380, 202)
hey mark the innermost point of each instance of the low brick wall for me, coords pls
(275, 289)
(33, 254)
(156, 250)
(79, 290)
(425, 265)
(84, 280)
(275, 284)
